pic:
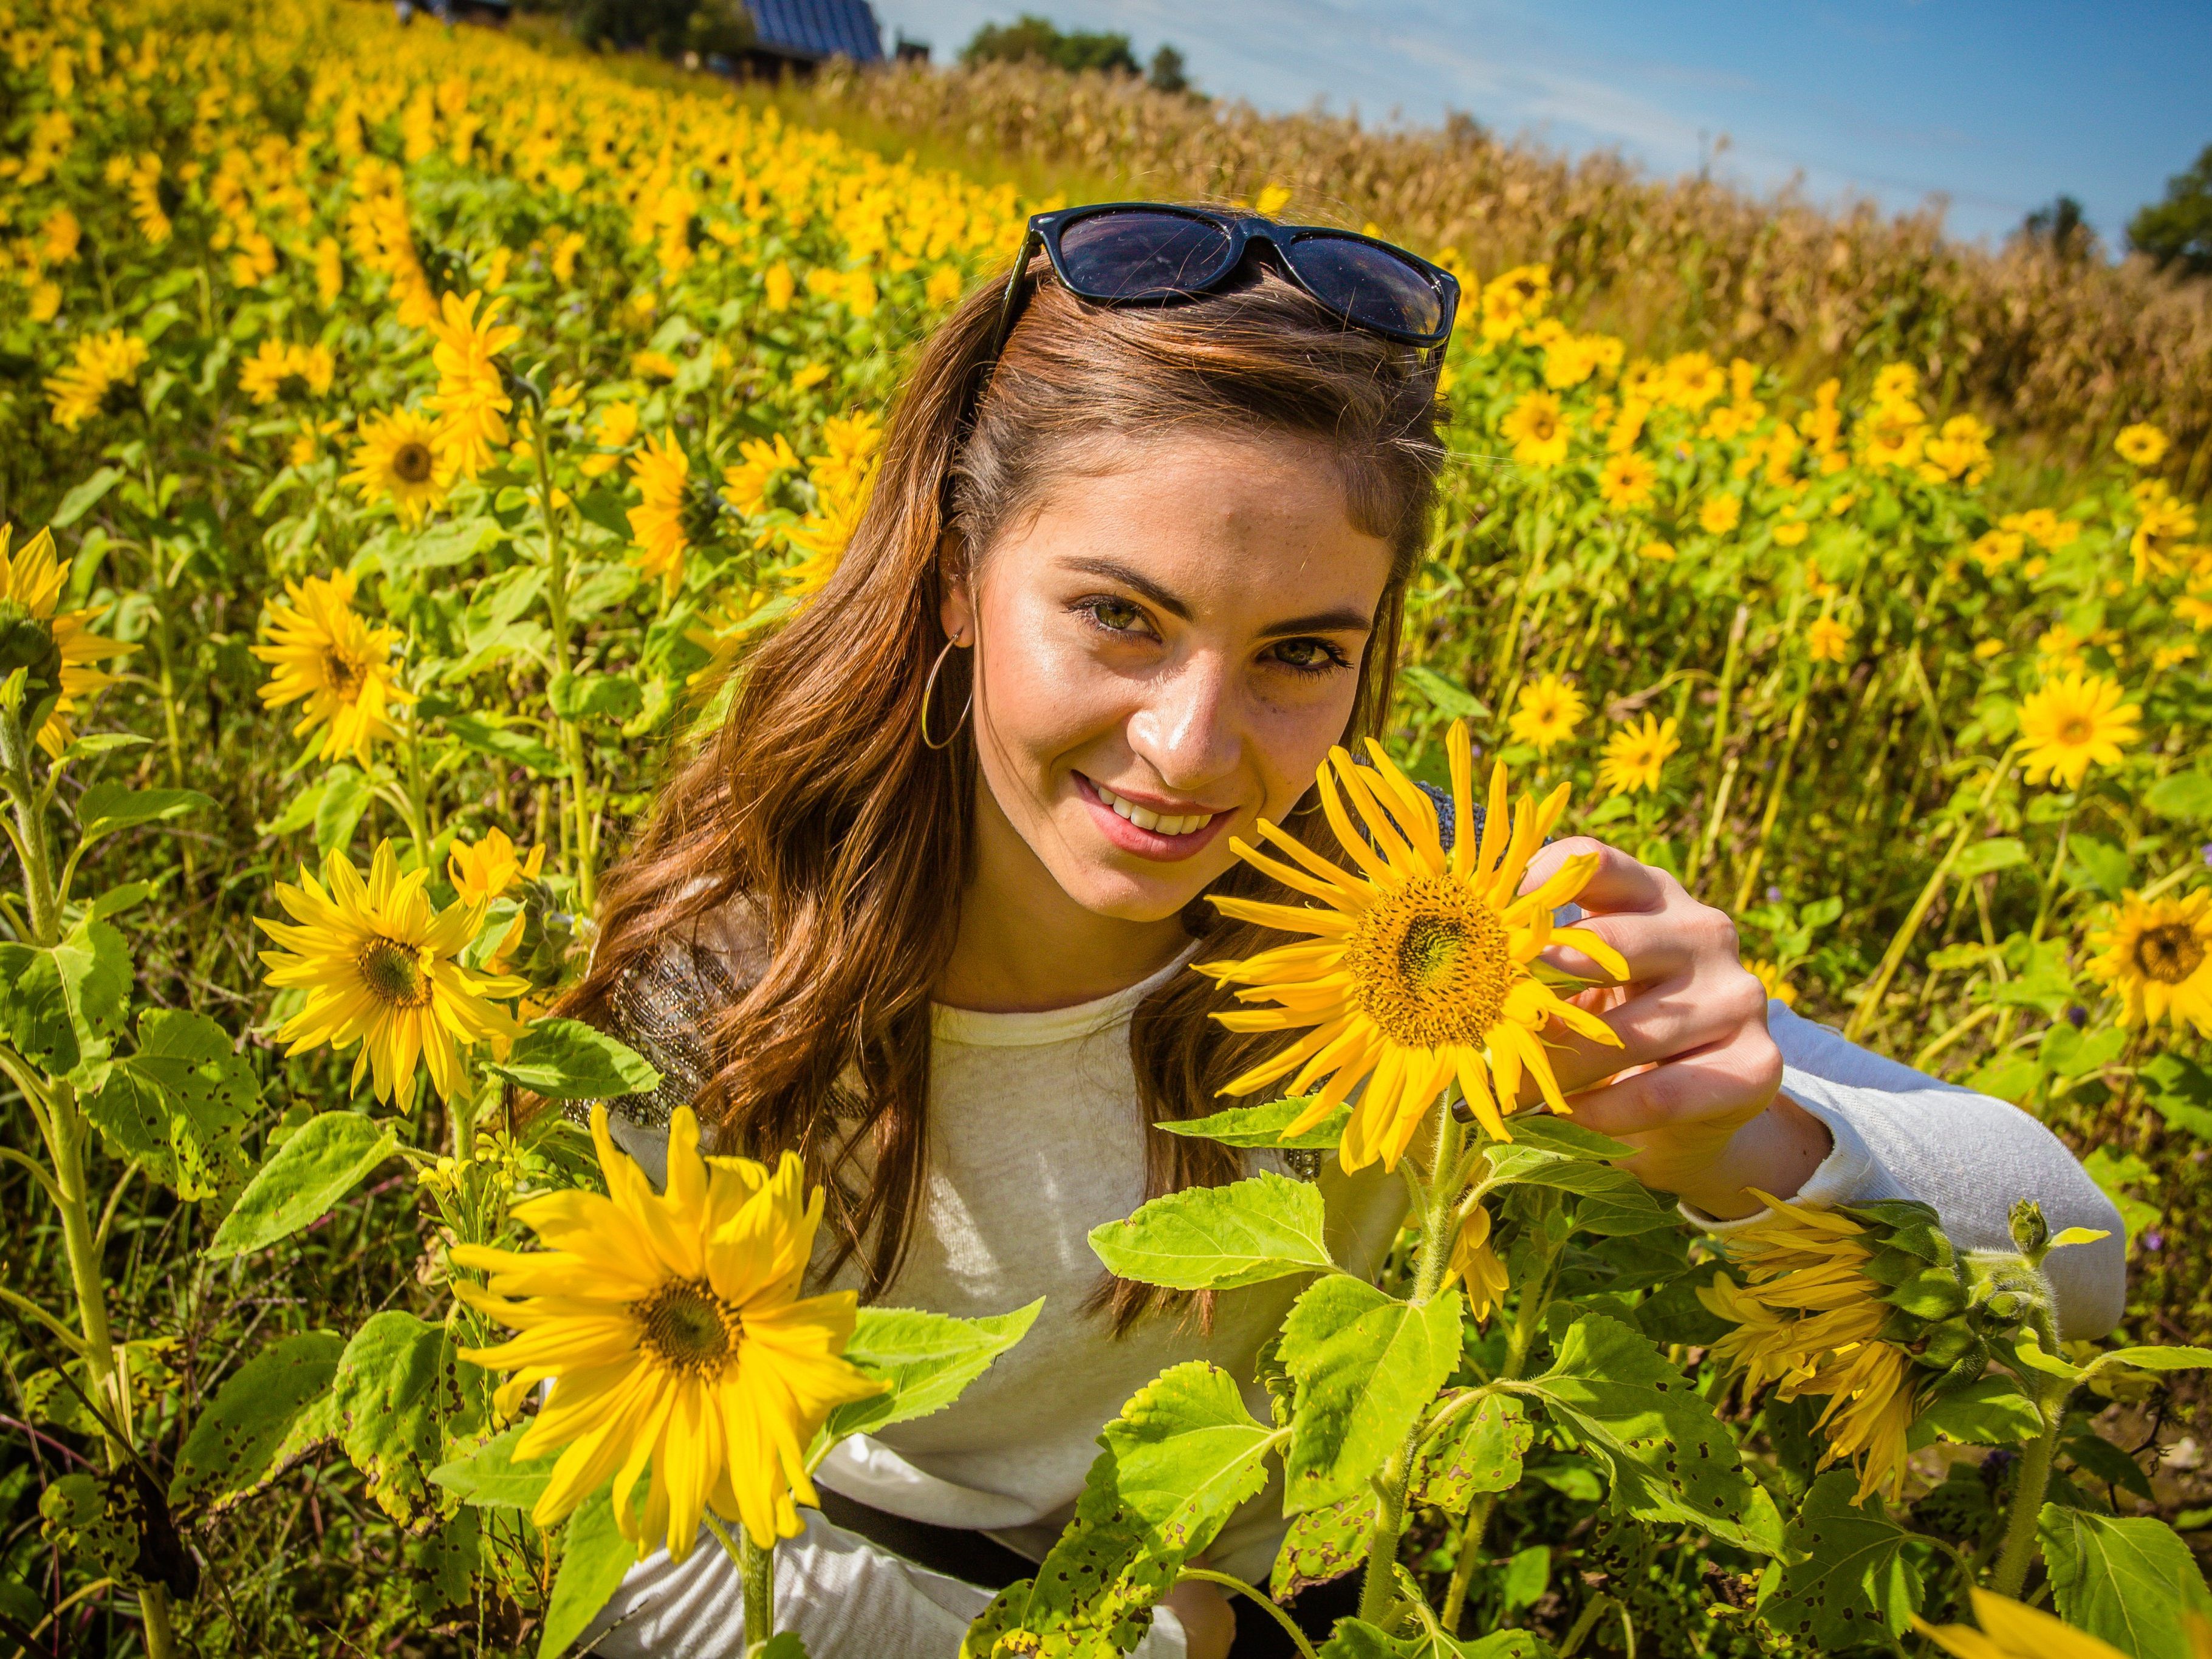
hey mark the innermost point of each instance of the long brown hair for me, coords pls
(818, 815)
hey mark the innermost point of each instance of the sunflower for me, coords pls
(1473, 1262)
(1424, 968)
(30, 587)
(1827, 640)
(102, 365)
(401, 456)
(381, 966)
(2157, 955)
(484, 871)
(662, 520)
(672, 1327)
(1636, 754)
(1773, 980)
(2011, 1630)
(472, 400)
(1546, 714)
(1626, 480)
(1808, 1320)
(2073, 723)
(1537, 430)
(2140, 445)
(262, 376)
(612, 432)
(747, 481)
(325, 655)
(1720, 514)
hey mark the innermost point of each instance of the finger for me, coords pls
(1719, 1087)
(1686, 1011)
(1654, 945)
(1619, 882)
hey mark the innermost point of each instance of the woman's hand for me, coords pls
(1209, 1625)
(1692, 1087)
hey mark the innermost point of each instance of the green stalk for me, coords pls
(66, 1131)
(2050, 880)
(1527, 1318)
(1758, 858)
(581, 850)
(1510, 642)
(757, 1572)
(1892, 959)
(1396, 1478)
(2050, 1394)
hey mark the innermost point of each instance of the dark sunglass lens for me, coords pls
(1141, 255)
(1368, 284)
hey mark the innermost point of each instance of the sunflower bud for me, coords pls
(2030, 1231)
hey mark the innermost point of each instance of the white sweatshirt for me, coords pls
(1036, 1137)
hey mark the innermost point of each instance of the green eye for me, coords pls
(1116, 616)
(1308, 656)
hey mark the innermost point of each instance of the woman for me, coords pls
(1135, 559)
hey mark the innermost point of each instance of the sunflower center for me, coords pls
(1432, 964)
(687, 1326)
(2075, 728)
(393, 973)
(2169, 953)
(345, 671)
(410, 463)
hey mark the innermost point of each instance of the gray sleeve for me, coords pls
(845, 1597)
(1901, 1134)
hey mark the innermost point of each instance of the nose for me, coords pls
(1189, 729)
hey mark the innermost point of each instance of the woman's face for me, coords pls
(1165, 649)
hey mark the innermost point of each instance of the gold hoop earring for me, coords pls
(929, 690)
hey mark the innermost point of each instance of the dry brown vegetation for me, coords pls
(2068, 349)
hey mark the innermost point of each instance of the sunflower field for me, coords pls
(406, 433)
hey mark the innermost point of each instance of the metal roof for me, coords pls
(818, 29)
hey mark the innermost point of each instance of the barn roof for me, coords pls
(818, 29)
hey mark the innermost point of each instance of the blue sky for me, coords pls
(1997, 108)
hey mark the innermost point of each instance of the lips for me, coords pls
(1145, 818)
(1144, 831)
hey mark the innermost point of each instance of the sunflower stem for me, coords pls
(1437, 1218)
(2034, 1479)
(581, 849)
(2050, 880)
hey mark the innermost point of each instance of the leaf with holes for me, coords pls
(327, 1158)
(246, 1435)
(180, 1105)
(1366, 1364)
(1322, 1544)
(1478, 1451)
(398, 1398)
(1612, 1393)
(2129, 1581)
(1848, 1580)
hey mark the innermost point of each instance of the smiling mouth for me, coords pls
(1145, 818)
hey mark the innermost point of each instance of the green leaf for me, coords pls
(345, 800)
(248, 1433)
(2179, 1358)
(2127, 1581)
(584, 696)
(1365, 1365)
(1538, 1166)
(1846, 1578)
(491, 1477)
(594, 1559)
(1219, 1237)
(568, 1059)
(1528, 1575)
(398, 1398)
(1263, 1126)
(59, 1005)
(2098, 865)
(310, 1172)
(1446, 696)
(1614, 1394)
(1569, 1139)
(180, 1105)
(2185, 795)
(1182, 1456)
(515, 748)
(86, 496)
(926, 1358)
(1322, 1544)
(1990, 1411)
(106, 807)
(1186, 1453)
(1478, 1451)
(1998, 852)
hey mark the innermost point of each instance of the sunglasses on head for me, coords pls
(1140, 254)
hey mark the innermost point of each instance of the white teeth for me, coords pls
(1145, 818)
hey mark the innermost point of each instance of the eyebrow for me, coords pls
(1345, 620)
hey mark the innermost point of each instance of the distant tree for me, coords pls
(660, 25)
(2179, 230)
(1167, 73)
(1031, 39)
(2060, 226)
